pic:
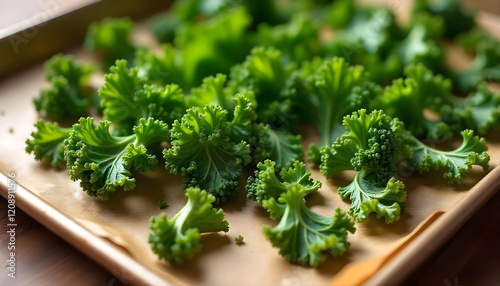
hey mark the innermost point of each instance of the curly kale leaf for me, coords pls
(455, 18)
(373, 146)
(456, 162)
(382, 68)
(279, 146)
(340, 13)
(75, 73)
(243, 118)
(434, 89)
(485, 67)
(470, 40)
(204, 48)
(266, 184)
(162, 69)
(126, 99)
(207, 148)
(163, 103)
(178, 239)
(48, 142)
(163, 26)
(264, 74)
(68, 95)
(298, 39)
(212, 91)
(333, 92)
(121, 87)
(480, 111)
(102, 162)
(385, 198)
(420, 46)
(376, 28)
(166, 25)
(303, 236)
(369, 40)
(406, 100)
(111, 36)
(61, 101)
(213, 46)
(372, 142)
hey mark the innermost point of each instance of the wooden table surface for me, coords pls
(471, 257)
(42, 258)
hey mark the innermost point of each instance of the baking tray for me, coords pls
(114, 233)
